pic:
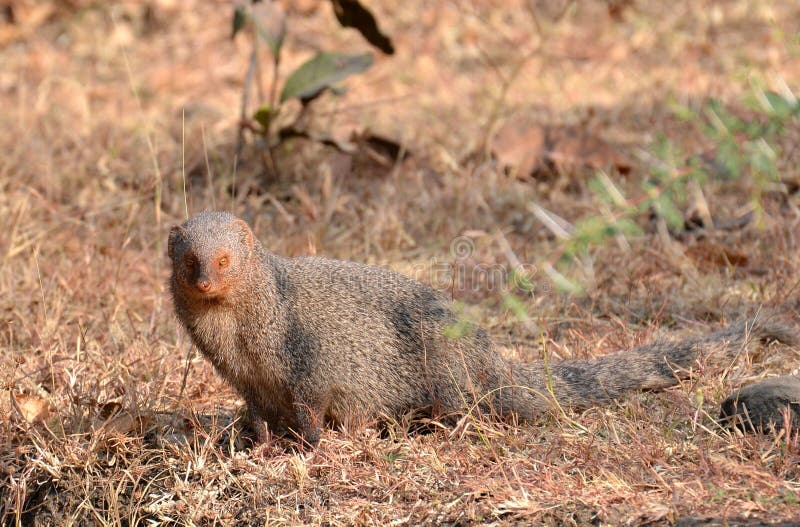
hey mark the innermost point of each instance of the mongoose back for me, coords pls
(310, 340)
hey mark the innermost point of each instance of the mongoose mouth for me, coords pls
(209, 293)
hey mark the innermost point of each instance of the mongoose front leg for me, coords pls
(264, 419)
(310, 405)
(258, 424)
(309, 422)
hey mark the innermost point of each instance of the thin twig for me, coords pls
(209, 173)
(248, 80)
(273, 109)
(259, 77)
(189, 355)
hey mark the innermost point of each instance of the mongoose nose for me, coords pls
(203, 284)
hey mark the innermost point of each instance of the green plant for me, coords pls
(741, 146)
(310, 80)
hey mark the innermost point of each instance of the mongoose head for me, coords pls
(211, 253)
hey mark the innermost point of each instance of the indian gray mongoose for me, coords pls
(310, 340)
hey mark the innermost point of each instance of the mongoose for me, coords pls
(310, 340)
(764, 405)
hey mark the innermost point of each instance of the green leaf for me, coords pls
(516, 306)
(763, 160)
(595, 230)
(458, 329)
(729, 157)
(627, 227)
(682, 111)
(521, 279)
(665, 208)
(263, 116)
(779, 107)
(239, 19)
(561, 282)
(323, 70)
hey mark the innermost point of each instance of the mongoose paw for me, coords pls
(309, 422)
(262, 432)
(309, 437)
(259, 428)
(311, 440)
(764, 406)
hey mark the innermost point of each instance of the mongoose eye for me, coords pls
(190, 263)
(223, 262)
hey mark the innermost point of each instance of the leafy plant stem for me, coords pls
(258, 75)
(273, 103)
(248, 80)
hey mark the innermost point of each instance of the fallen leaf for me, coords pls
(109, 409)
(572, 148)
(708, 255)
(380, 148)
(24, 18)
(32, 408)
(519, 147)
(653, 512)
(121, 424)
(528, 150)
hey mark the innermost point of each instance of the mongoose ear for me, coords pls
(247, 234)
(175, 234)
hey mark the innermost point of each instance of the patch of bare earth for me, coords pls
(105, 106)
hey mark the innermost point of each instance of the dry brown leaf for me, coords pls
(519, 147)
(531, 150)
(26, 17)
(109, 409)
(32, 408)
(122, 423)
(381, 148)
(572, 147)
(708, 255)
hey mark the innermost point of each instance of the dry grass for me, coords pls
(91, 179)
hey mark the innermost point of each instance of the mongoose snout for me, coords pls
(203, 284)
(310, 340)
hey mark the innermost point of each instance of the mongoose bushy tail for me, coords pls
(310, 340)
(771, 404)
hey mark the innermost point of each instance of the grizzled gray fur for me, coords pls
(308, 340)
